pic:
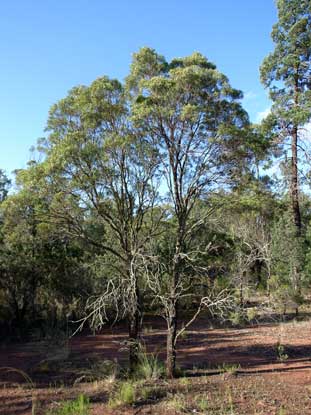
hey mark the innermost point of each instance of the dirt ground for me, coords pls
(264, 369)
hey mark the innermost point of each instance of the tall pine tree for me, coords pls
(287, 73)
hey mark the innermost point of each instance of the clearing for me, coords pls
(262, 369)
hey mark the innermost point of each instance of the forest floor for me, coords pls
(259, 369)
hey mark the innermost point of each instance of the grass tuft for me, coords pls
(124, 395)
(79, 406)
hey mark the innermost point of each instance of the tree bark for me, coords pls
(133, 329)
(172, 310)
(134, 317)
(171, 342)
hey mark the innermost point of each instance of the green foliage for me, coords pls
(229, 368)
(236, 318)
(286, 70)
(150, 197)
(251, 314)
(280, 351)
(177, 403)
(36, 262)
(5, 183)
(202, 403)
(125, 394)
(288, 256)
(149, 367)
(79, 406)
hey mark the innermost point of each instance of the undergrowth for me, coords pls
(79, 406)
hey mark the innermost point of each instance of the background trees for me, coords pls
(41, 269)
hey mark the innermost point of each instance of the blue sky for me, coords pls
(47, 47)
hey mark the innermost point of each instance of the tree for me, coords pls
(193, 118)
(286, 72)
(101, 173)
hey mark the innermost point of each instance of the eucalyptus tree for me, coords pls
(101, 173)
(286, 72)
(193, 118)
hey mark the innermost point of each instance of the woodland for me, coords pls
(154, 204)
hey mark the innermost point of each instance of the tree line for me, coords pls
(158, 196)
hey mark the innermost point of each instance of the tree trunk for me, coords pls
(134, 316)
(295, 193)
(134, 326)
(171, 342)
(172, 308)
(257, 269)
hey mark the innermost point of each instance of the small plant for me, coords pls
(176, 403)
(237, 318)
(202, 403)
(280, 351)
(150, 393)
(99, 370)
(230, 403)
(124, 395)
(251, 314)
(79, 406)
(145, 393)
(229, 369)
(149, 367)
(185, 382)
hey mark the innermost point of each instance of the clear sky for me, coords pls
(47, 47)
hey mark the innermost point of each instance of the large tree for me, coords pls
(192, 117)
(287, 73)
(101, 173)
